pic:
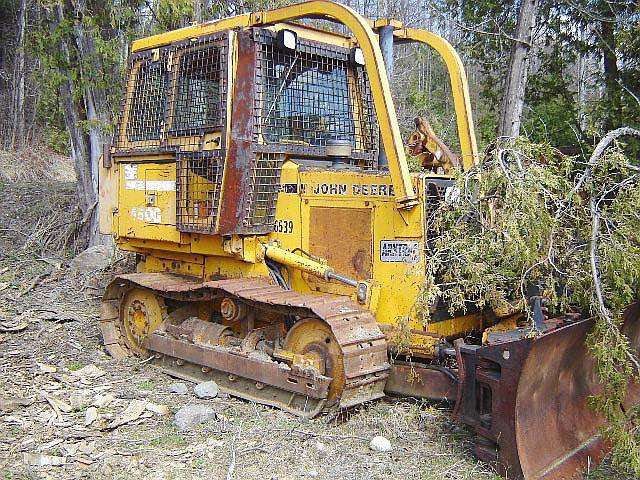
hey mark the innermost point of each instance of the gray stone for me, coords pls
(380, 444)
(93, 258)
(191, 415)
(206, 389)
(321, 448)
(179, 388)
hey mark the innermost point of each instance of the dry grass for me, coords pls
(37, 219)
(35, 164)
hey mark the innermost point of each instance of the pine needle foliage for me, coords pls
(530, 216)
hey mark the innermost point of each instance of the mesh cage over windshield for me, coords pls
(308, 96)
(200, 93)
(142, 117)
(175, 98)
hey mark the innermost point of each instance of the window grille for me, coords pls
(142, 116)
(265, 185)
(175, 96)
(200, 94)
(199, 176)
(310, 95)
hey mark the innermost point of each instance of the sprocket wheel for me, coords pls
(314, 336)
(141, 312)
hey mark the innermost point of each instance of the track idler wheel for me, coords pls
(128, 316)
(312, 337)
(142, 311)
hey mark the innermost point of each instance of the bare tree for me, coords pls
(197, 10)
(18, 131)
(84, 103)
(516, 81)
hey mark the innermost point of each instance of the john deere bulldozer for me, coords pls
(259, 175)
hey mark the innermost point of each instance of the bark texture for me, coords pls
(18, 134)
(517, 74)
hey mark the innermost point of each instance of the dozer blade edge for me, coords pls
(527, 401)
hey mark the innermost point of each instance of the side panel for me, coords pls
(108, 198)
(147, 201)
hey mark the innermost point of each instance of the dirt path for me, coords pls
(55, 376)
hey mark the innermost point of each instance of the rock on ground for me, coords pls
(93, 258)
(206, 389)
(380, 444)
(191, 415)
(179, 388)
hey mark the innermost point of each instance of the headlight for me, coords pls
(357, 56)
(287, 39)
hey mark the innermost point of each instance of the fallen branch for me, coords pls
(595, 275)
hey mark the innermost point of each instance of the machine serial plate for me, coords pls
(399, 251)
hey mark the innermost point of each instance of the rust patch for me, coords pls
(238, 166)
(363, 344)
(527, 399)
(343, 236)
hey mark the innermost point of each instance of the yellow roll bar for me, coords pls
(459, 89)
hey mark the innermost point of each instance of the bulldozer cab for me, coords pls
(232, 100)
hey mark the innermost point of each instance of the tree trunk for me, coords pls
(85, 147)
(18, 133)
(516, 82)
(197, 10)
(613, 94)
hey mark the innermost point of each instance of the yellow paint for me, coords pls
(298, 262)
(108, 191)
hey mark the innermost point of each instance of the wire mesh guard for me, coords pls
(199, 176)
(265, 181)
(175, 100)
(199, 97)
(144, 106)
(434, 196)
(174, 96)
(310, 95)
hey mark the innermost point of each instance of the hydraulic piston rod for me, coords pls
(308, 265)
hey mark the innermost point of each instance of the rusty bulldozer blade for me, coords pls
(527, 400)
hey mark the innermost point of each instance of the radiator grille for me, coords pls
(199, 176)
(434, 196)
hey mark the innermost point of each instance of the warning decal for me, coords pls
(403, 251)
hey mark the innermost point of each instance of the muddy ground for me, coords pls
(55, 377)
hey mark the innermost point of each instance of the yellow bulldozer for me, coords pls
(258, 173)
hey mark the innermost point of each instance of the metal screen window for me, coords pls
(310, 95)
(199, 95)
(265, 185)
(143, 113)
(199, 176)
